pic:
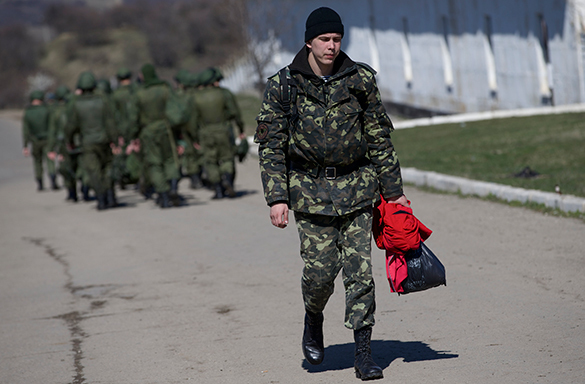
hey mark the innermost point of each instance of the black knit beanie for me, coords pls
(323, 20)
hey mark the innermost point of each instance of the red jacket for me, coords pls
(397, 231)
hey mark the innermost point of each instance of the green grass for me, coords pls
(495, 150)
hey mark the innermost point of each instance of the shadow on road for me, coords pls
(341, 356)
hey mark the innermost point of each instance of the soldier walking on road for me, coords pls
(90, 115)
(126, 167)
(157, 140)
(192, 166)
(35, 131)
(327, 155)
(68, 159)
(215, 108)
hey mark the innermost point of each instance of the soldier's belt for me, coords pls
(330, 173)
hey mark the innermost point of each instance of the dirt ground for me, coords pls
(210, 292)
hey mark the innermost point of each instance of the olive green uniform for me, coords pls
(35, 131)
(68, 166)
(158, 141)
(193, 157)
(216, 108)
(126, 168)
(329, 166)
(91, 116)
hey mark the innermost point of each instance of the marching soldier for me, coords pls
(126, 167)
(157, 140)
(90, 115)
(216, 108)
(68, 159)
(35, 131)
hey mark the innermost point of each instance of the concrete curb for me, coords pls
(567, 203)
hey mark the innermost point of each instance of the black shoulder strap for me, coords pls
(284, 91)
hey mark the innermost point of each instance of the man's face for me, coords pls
(325, 48)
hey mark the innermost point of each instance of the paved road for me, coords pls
(210, 292)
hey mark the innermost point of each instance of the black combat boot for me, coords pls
(228, 184)
(54, 185)
(174, 187)
(163, 200)
(111, 200)
(365, 367)
(196, 182)
(72, 194)
(40, 184)
(313, 338)
(147, 191)
(218, 191)
(101, 202)
(85, 192)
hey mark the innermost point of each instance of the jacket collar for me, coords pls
(300, 64)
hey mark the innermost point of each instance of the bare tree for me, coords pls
(261, 23)
(19, 53)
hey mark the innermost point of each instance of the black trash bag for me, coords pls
(242, 149)
(424, 270)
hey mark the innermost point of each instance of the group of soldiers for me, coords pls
(145, 133)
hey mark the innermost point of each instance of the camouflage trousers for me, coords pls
(158, 156)
(96, 161)
(218, 152)
(333, 243)
(68, 169)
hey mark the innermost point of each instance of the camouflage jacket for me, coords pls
(217, 107)
(57, 123)
(123, 103)
(91, 116)
(149, 106)
(338, 123)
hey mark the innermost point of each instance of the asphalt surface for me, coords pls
(210, 292)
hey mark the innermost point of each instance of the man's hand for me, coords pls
(402, 200)
(115, 149)
(26, 151)
(279, 215)
(52, 155)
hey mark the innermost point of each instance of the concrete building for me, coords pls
(451, 56)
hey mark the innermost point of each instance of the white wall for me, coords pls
(458, 71)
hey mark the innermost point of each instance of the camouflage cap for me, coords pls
(193, 80)
(182, 77)
(148, 73)
(218, 76)
(105, 86)
(86, 81)
(37, 95)
(61, 92)
(123, 73)
(207, 77)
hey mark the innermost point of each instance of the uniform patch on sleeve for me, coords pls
(261, 131)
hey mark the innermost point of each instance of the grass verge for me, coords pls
(495, 150)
